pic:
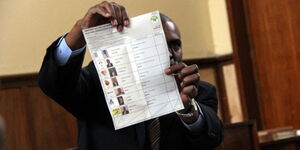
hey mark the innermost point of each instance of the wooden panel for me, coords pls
(242, 60)
(275, 38)
(208, 75)
(239, 136)
(290, 144)
(2, 132)
(33, 121)
(13, 110)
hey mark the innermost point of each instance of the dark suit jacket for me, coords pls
(79, 91)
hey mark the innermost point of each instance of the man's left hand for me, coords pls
(187, 78)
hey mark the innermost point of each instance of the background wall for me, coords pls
(28, 27)
(219, 27)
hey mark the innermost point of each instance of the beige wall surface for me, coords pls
(220, 27)
(27, 27)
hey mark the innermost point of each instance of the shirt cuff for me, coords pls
(198, 125)
(63, 52)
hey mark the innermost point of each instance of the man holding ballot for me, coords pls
(78, 90)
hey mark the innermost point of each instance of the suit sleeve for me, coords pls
(67, 84)
(212, 134)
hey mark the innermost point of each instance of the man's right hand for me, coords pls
(105, 12)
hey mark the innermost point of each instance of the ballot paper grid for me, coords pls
(131, 72)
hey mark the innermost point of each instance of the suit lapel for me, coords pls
(165, 126)
(141, 134)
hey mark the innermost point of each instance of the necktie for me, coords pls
(154, 134)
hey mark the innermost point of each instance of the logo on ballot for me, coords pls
(154, 19)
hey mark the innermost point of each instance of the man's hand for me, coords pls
(105, 12)
(187, 78)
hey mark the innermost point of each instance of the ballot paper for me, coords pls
(130, 65)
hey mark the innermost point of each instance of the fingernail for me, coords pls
(115, 22)
(120, 28)
(167, 71)
(181, 84)
(126, 22)
(107, 14)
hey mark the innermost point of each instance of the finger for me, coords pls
(192, 79)
(101, 11)
(125, 16)
(108, 6)
(120, 27)
(87, 22)
(190, 90)
(188, 71)
(174, 68)
(118, 13)
(185, 100)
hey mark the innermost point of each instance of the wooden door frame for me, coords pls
(241, 42)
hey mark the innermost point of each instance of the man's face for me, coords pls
(173, 39)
